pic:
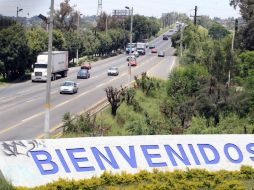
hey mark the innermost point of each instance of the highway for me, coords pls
(22, 104)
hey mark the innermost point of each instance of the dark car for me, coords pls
(83, 74)
(165, 37)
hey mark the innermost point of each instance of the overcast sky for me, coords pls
(212, 8)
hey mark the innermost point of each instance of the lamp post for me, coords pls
(131, 12)
(78, 14)
(18, 10)
(47, 104)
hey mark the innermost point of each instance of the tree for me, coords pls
(14, 51)
(115, 98)
(217, 31)
(65, 19)
(246, 32)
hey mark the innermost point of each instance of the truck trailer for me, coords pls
(59, 66)
(141, 48)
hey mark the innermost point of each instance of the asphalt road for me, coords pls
(22, 104)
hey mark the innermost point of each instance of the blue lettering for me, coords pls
(216, 155)
(149, 157)
(130, 159)
(240, 155)
(98, 155)
(250, 149)
(194, 155)
(75, 161)
(47, 161)
(61, 158)
(171, 154)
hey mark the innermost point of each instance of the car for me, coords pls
(165, 37)
(136, 54)
(83, 74)
(154, 50)
(161, 54)
(69, 87)
(131, 57)
(86, 66)
(113, 71)
(171, 30)
(151, 46)
(133, 63)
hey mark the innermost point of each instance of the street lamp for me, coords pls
(78, 15)
(18, 10)
(47, 104)
(131, 12)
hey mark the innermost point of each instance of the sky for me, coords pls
(212, 8)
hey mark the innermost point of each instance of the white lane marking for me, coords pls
(32, 117)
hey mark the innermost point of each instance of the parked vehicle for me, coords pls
(141, 48)
(161, 54)
(86, 66)
(69, 87)
(59, 66)
(83, 74)
(113, 71)
(154, 50)
(131, 48)
(136, 54)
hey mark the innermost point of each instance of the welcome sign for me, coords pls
(37, 162)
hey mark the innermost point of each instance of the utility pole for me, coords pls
(131, 12)
(195, 15)
(47, 104)
(181, 44)
(232, 50)
(78, 14)
(106, 25)
(18, 10)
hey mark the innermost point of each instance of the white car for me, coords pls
(113, 71)
(69, 87)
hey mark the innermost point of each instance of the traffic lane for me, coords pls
(32, 94)
(27, 118)
(34, 126)
(163, 69)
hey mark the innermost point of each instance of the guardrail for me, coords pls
(94, 109)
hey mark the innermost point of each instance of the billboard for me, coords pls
(36, 162)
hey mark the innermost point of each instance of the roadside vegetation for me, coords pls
(191, 179)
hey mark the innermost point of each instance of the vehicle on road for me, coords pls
(86, 66)
(141, 48)
(59, 66)
(130, 57)
(171, 30)
(69, 87)
(165, 37)
(132, 61)
(131, 48)
(161, 54)
(83, 74)
(146, 42)
(136, 54)
(113, 71)
(151, 46)
(154, 50)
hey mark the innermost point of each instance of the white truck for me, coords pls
(59, 66)
(141, 48)
(131, 48)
